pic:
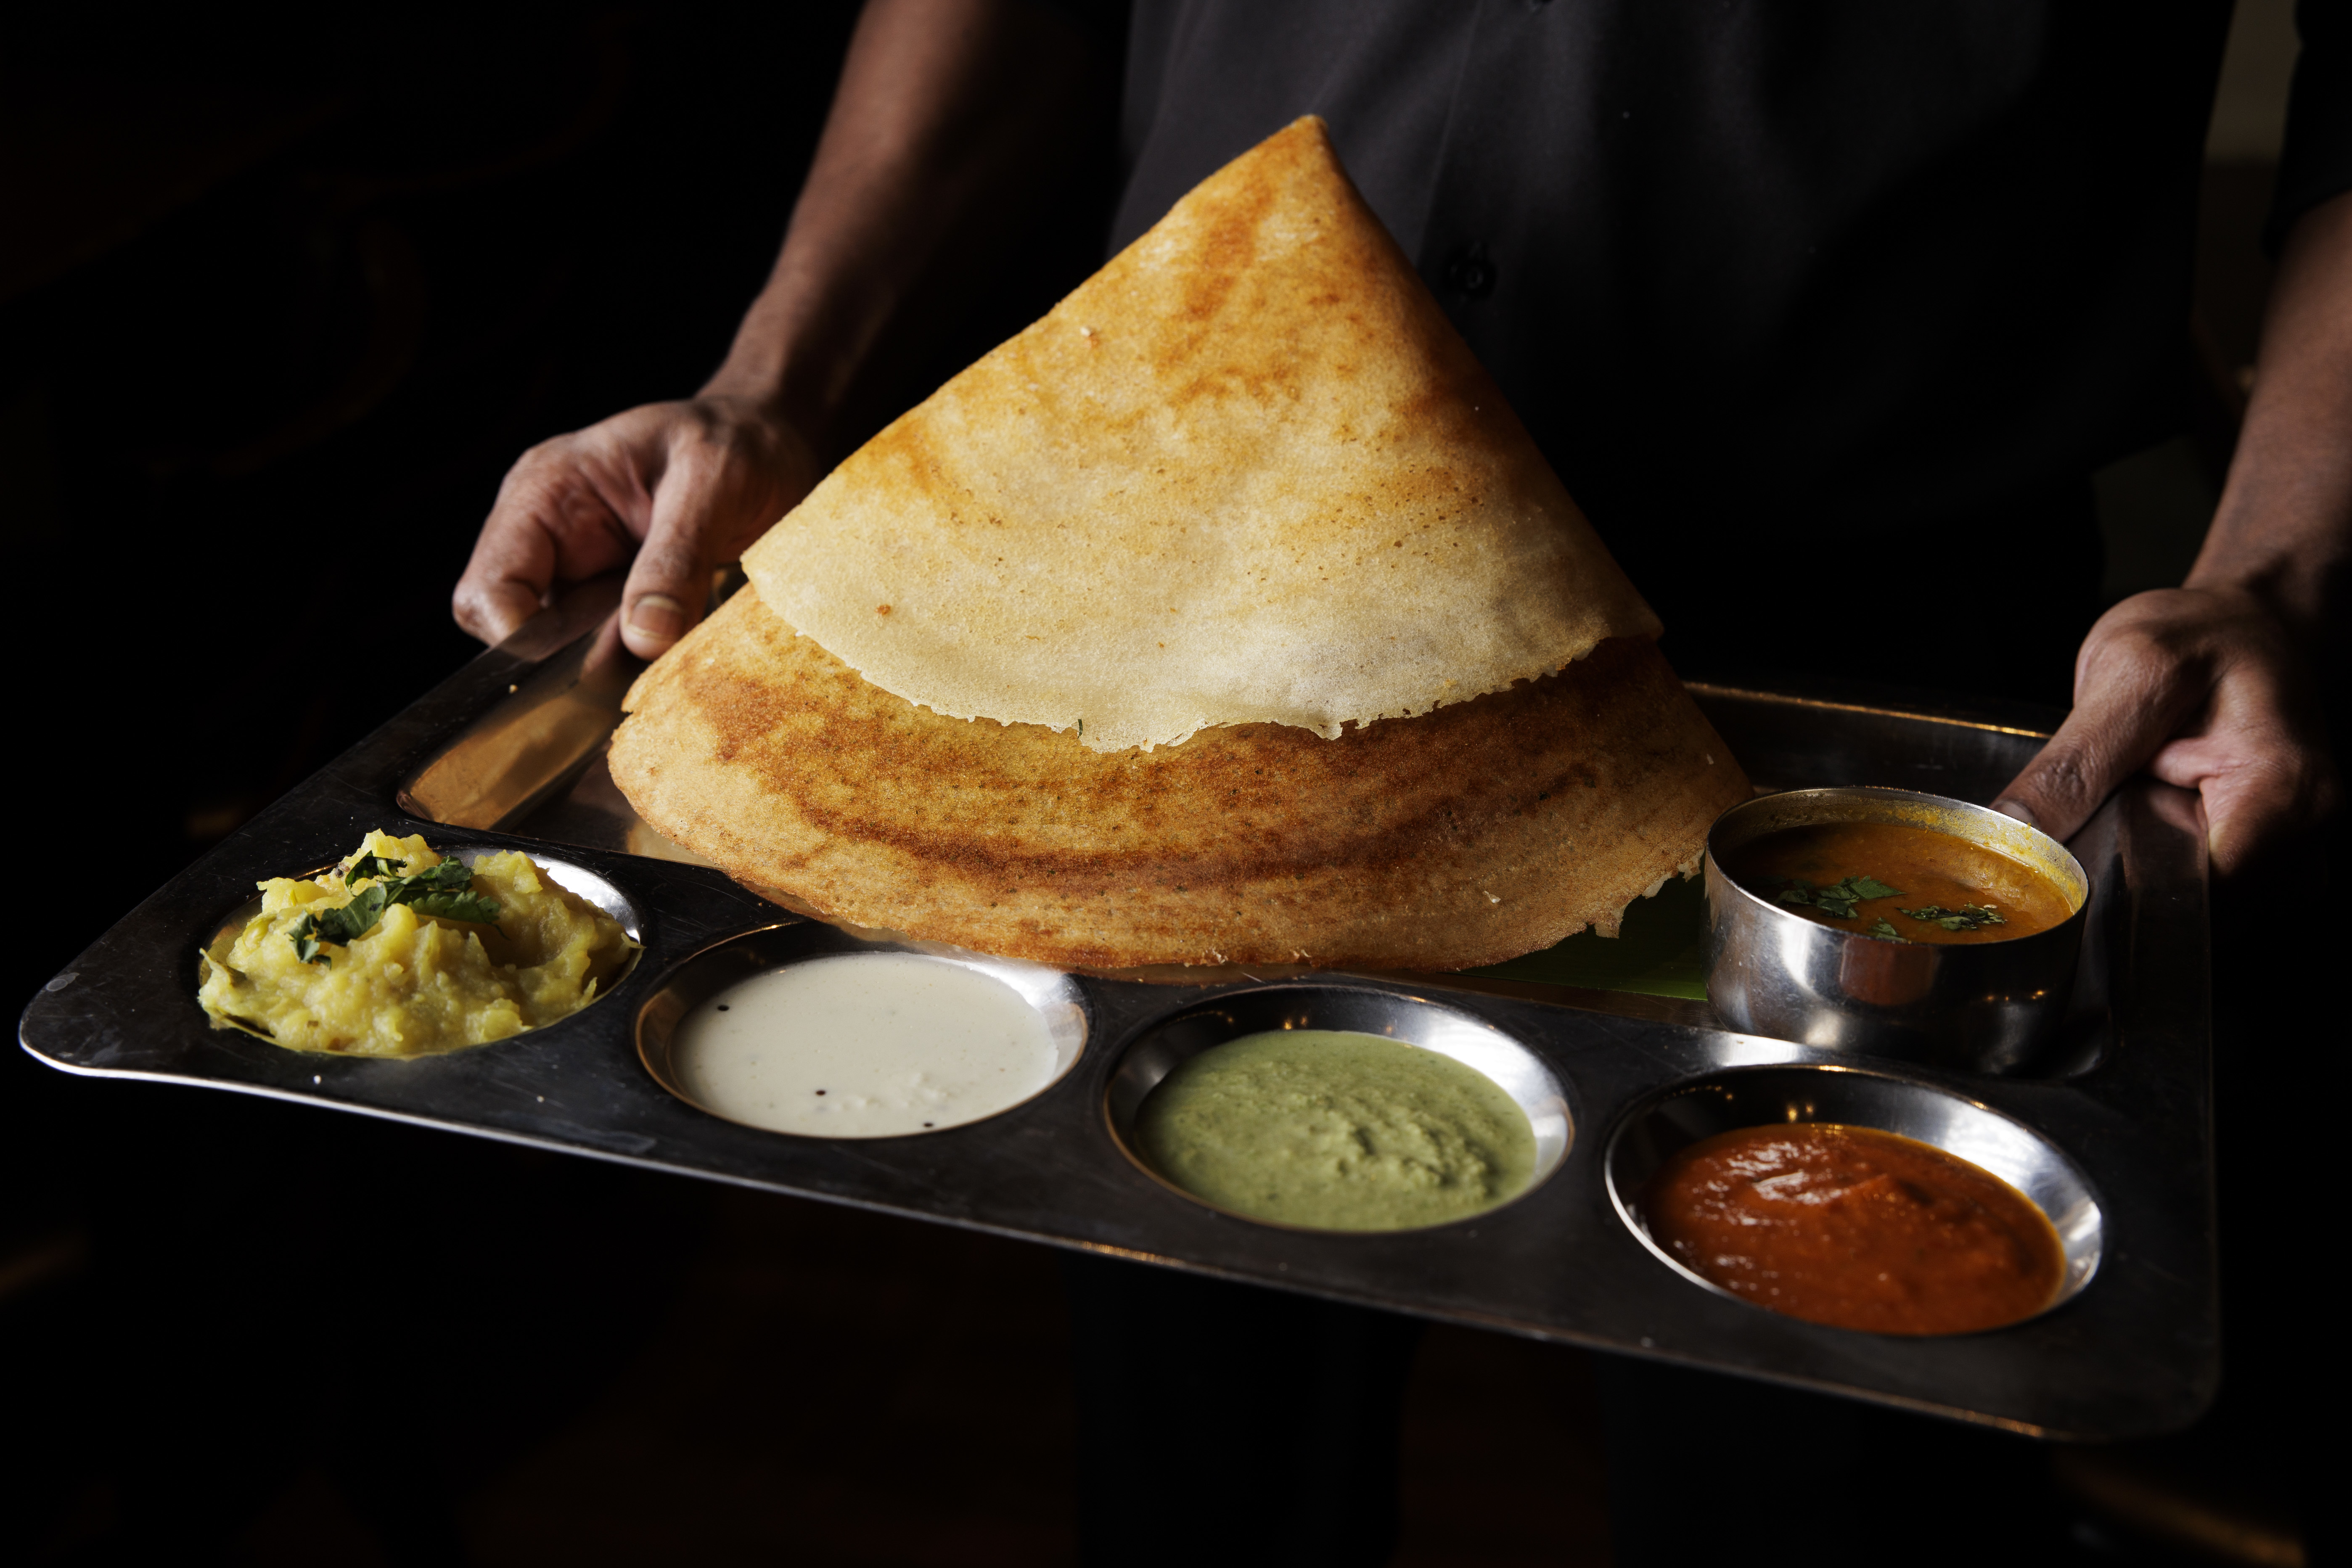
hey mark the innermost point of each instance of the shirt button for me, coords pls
(1470, 272)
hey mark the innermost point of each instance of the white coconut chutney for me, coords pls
(870, 1045)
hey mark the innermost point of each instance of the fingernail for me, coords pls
(2018, 809)
(657, 616)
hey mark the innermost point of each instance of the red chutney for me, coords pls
(1855, 1228)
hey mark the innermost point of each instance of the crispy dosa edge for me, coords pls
(1248, 472)
(1472, 835)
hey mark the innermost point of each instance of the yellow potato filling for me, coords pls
(413, 984)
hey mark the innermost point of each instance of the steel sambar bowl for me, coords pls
(1978, 1006)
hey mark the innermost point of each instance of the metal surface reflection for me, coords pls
(1156, 1050)
(1763, 1095)
(1986, 1008)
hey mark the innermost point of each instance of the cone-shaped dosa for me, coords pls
(1226, 615)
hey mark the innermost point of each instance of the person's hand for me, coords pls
(683, 487)
(946, 108)
(2204, 688)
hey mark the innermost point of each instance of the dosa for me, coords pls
(1226, 616)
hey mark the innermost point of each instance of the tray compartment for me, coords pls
(1687, 1112)
(1055, 997)
(569, 875)
(1156, 1050)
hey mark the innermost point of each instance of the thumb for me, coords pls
(492, 606)
(513, 563)
(2120, 720)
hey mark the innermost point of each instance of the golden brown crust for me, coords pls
(1484, 830)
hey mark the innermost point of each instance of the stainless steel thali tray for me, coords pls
(2116, 1123)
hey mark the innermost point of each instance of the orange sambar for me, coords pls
(1927, 867)
(1856, 1228)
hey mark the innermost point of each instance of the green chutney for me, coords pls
(1335, 1131)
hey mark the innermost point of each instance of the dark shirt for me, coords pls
(1824, 312)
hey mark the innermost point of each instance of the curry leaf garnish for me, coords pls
(447, 891)
(355, 920)
(343, 927)
(448, 874)
(1884, 930)
(443, 891)
(1968, 917)
(480, 907)
(1837, 899)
